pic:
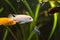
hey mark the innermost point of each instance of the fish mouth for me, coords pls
(31, 20)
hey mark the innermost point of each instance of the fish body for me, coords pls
(21, 19)
(7, 21)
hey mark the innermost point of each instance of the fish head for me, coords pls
(25, 19)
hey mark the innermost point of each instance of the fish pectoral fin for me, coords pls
(21, 22)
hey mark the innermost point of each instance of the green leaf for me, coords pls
(1, 9)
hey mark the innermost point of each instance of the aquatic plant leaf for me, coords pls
(6, 33)
(55, 21)
(58, 1)
(32, 33)
(11, 33)
(1, 9)
(36, 15)
(37, 12)
(28, 7)
(7, 1)
(42, 1)
(35, 20)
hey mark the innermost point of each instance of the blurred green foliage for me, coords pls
(32, 8)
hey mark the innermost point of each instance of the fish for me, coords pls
(13, 19)
(21, 19)
(36, 31)
(7, 21)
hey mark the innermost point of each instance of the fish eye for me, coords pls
(29, 18)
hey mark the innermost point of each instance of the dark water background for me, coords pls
(45, 30)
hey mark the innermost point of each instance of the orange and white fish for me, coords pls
(21, 19)
(7, 21)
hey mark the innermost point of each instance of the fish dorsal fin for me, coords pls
(11, 15)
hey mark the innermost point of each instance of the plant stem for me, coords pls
(11, 33)
(37, 11)
(55, 21)
(32, 33)
(5, 34)
(23, 33)
(29, 9)
(54, 26)
(36, 16)
(1, 9)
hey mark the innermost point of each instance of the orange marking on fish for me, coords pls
(7, 21)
